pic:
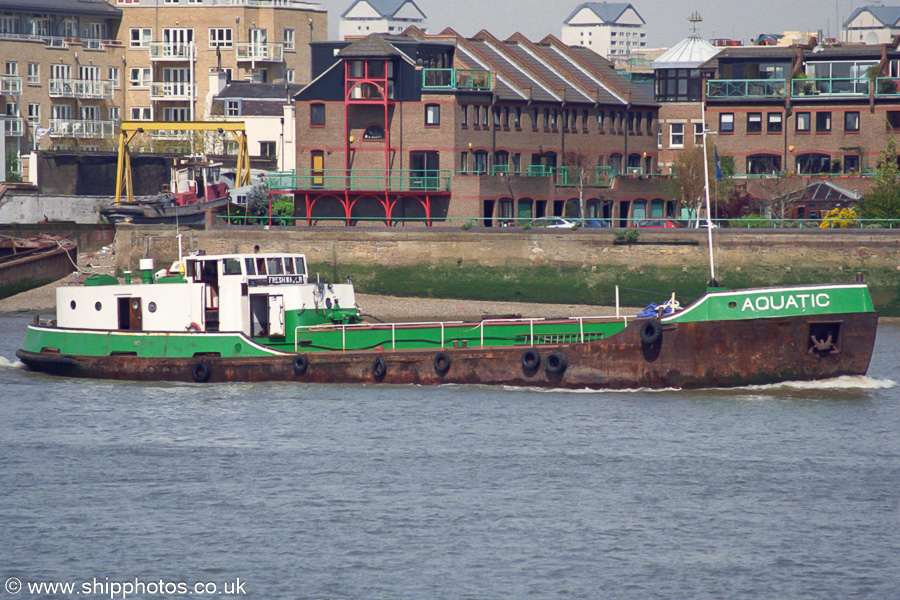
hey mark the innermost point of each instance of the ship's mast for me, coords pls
(712, 262)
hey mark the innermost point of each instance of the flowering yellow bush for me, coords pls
(840, 218)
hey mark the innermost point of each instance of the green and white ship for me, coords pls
(258, 317)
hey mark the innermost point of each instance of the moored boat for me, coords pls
(196, 187)
(27, 263)
(258, 317)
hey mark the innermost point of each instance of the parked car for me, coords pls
(702, 223)
(595, 223)
(554, 223)
(657, 224)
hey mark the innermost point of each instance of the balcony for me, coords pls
(10, 86)
(86, 89)
(173, 52)
(260, 52)
(68, 128)
(173, 90)
(456, 79)
(14, 126)
(360, 180)
(738, 89)
(591, 177)
(830, 87)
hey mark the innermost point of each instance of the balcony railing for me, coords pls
(68, 128)
(10, 85)
(590, 177)
(830, 86)
(726, 89)
(360, 180)
(456, 79)
(539, 171)
(260, 52)
(89, 89)
(172, 51)
(13, 126)
(173, 90)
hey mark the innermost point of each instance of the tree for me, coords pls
(883, 202)
(578, 171)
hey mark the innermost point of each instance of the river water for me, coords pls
(369, 492)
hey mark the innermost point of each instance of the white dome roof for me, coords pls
(689, 53)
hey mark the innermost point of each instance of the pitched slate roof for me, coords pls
(608, 13)
(887, 15)
(385, 8)
(371, 46)
(72, 7)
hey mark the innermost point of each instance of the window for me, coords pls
(220, 37)
(232, 108)
(517, 118)
(496, 117)
(698, 133)
(553, 116)
(851, 163)
(140, 77)
(464, 162)
(754, 122)
(464, 116)
(288, 39)
(823, 122)
(34, 113)
(317, 115)
(374, 132)
(813, 164)
(802, 121)
(726, 123)
(516, 162)
(893, 119)
(140, 37)
(140, 113)
(114, 113)
(600, 116)
(676, 135)
(481, 162)
(851, 120)
(773, 123)
(763, 164)
(34, 74)
(12, 69)
(61, 112)
(267, 149)
(477, 117)
(432, 115)
(289, 75)
(484, 117)
(114, 77)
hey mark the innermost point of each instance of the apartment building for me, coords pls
(364, 17)
(427, 127)
(172, 46)
(61, 83)
(610, 29)
(805, 109)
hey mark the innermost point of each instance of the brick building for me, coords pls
(62, 74)
(426, 127)
(804, 109)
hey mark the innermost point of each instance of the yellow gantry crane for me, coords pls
(129, 129)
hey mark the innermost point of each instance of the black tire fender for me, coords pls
(301, 365)
(442, 363)
(379, 368)
(201, 372)
(557, 363)
(650, 332)
(531, 359)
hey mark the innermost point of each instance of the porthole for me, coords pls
(237, 348)
(135, 305)
(152, 307)
(732, 304)
(72, 304)
(98, 306)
